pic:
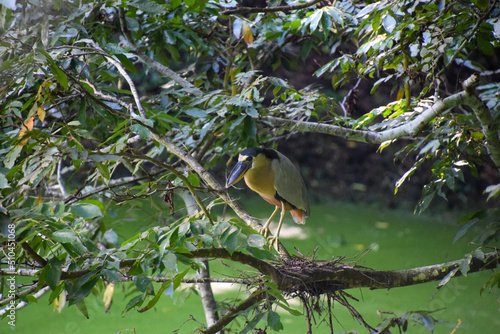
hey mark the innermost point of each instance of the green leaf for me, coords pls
(127, 63)
(274, 321)
(287, 308)
(87, 211)
(4, 183)
(12, 156)
(148, 6)
(481, 4)
(256, 240)
(142, 282)
(56, 292)
(53, 273)
(112, 276)
(61, 77)
(464, 229)
(193, 179)
(83, 308)
(83, 287)
(485, 45)
(104, 171)
(169, 260)
(315, 19)
(140, 130)
(155, 299)
(195, 112)
(306, 49)
(447, 278)
(136, 301)
(64, 236)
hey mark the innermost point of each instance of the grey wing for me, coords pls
(289, 183)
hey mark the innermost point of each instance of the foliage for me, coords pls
(90, 88)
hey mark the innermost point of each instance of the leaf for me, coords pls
(481, 4)
(256, 240)
(155, 299)
(53, 273)
(273, 321)
(306, 49)
(10, 4)
(447, 278)
(142, 282)
(127, 63)
(389, 23)
(315, 19)
(107, 298)
(492, 191)
(61, 77)
(464, 229)
(247, 33)
(60, 301)
(26, 126)
(237, 25)
(111, 236)
(12, 156)
(136, 301)
(427, 321)
(196, 113)
(140, 130)
(104, 171)
(4, 183)
(169, 260)
(148, 6)
(83, 287)
(193, 179)
(64, 236)
(465, 265)
(86, 210)
(83, 308)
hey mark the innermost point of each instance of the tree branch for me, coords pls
(34, 255)
(412, 128)
(234, 312)
(251, 10)
(488, 123)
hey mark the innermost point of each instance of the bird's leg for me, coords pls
(265, 229)
(275, 239)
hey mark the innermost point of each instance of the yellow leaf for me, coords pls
(247, 33)
(27, 126)
(41, 113)
(401, 94)
(60, 301)
(108, 296)
(39, 199)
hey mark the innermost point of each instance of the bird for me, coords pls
(274, 177)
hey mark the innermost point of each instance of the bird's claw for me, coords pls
(264, 231)
(273, 241)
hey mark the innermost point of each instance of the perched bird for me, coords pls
(273, 176)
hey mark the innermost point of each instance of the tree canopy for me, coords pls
(108, 102)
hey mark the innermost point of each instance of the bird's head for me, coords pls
(247, 159)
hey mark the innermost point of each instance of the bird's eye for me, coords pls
(248, 159)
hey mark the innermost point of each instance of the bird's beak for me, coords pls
(238, 172)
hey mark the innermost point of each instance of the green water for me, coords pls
(398, 240)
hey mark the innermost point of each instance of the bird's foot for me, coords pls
(265, 231)
(273, 241)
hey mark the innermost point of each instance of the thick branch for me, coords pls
(412, 128)
(342, 277)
